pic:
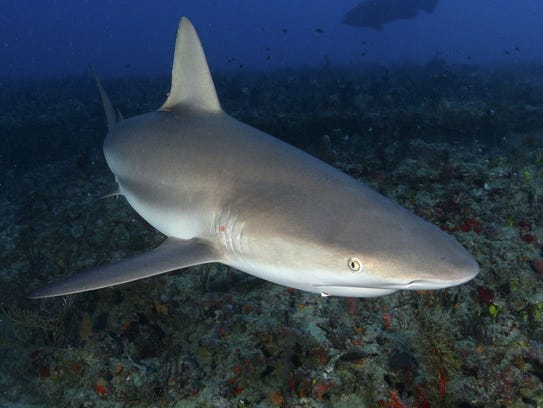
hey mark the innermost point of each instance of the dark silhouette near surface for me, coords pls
(375, 13)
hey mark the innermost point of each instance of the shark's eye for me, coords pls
(354, 264)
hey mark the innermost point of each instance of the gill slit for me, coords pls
(230, 230)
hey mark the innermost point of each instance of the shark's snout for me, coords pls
(457, 277)
(444, 263)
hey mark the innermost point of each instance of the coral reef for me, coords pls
(460, 146)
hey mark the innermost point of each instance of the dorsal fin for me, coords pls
(112, 116)
(192, 85)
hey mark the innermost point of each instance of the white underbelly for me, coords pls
(174, 219)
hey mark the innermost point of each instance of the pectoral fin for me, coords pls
(171, 255)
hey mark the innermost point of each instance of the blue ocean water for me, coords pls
(441, 112)
(56, 38)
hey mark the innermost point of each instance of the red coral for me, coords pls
(395, 401)
(537, 266)
(470, 224)
(442, 382)
(353, 305)
(100, 388)
(387, 321)
(528, 238)
(486, 295)
(320, 389)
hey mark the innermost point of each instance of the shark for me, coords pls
(375, 13)
(223, 191)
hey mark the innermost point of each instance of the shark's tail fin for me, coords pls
(192, 85)
(112, 116)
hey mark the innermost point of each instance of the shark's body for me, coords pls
(375, 13)
(223, 191)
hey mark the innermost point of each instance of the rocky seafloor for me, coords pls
(462, 146)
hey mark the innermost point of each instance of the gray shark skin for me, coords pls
(375, 13)
(223, 191)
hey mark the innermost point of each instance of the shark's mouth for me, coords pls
(351, 291)
(417, 284)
